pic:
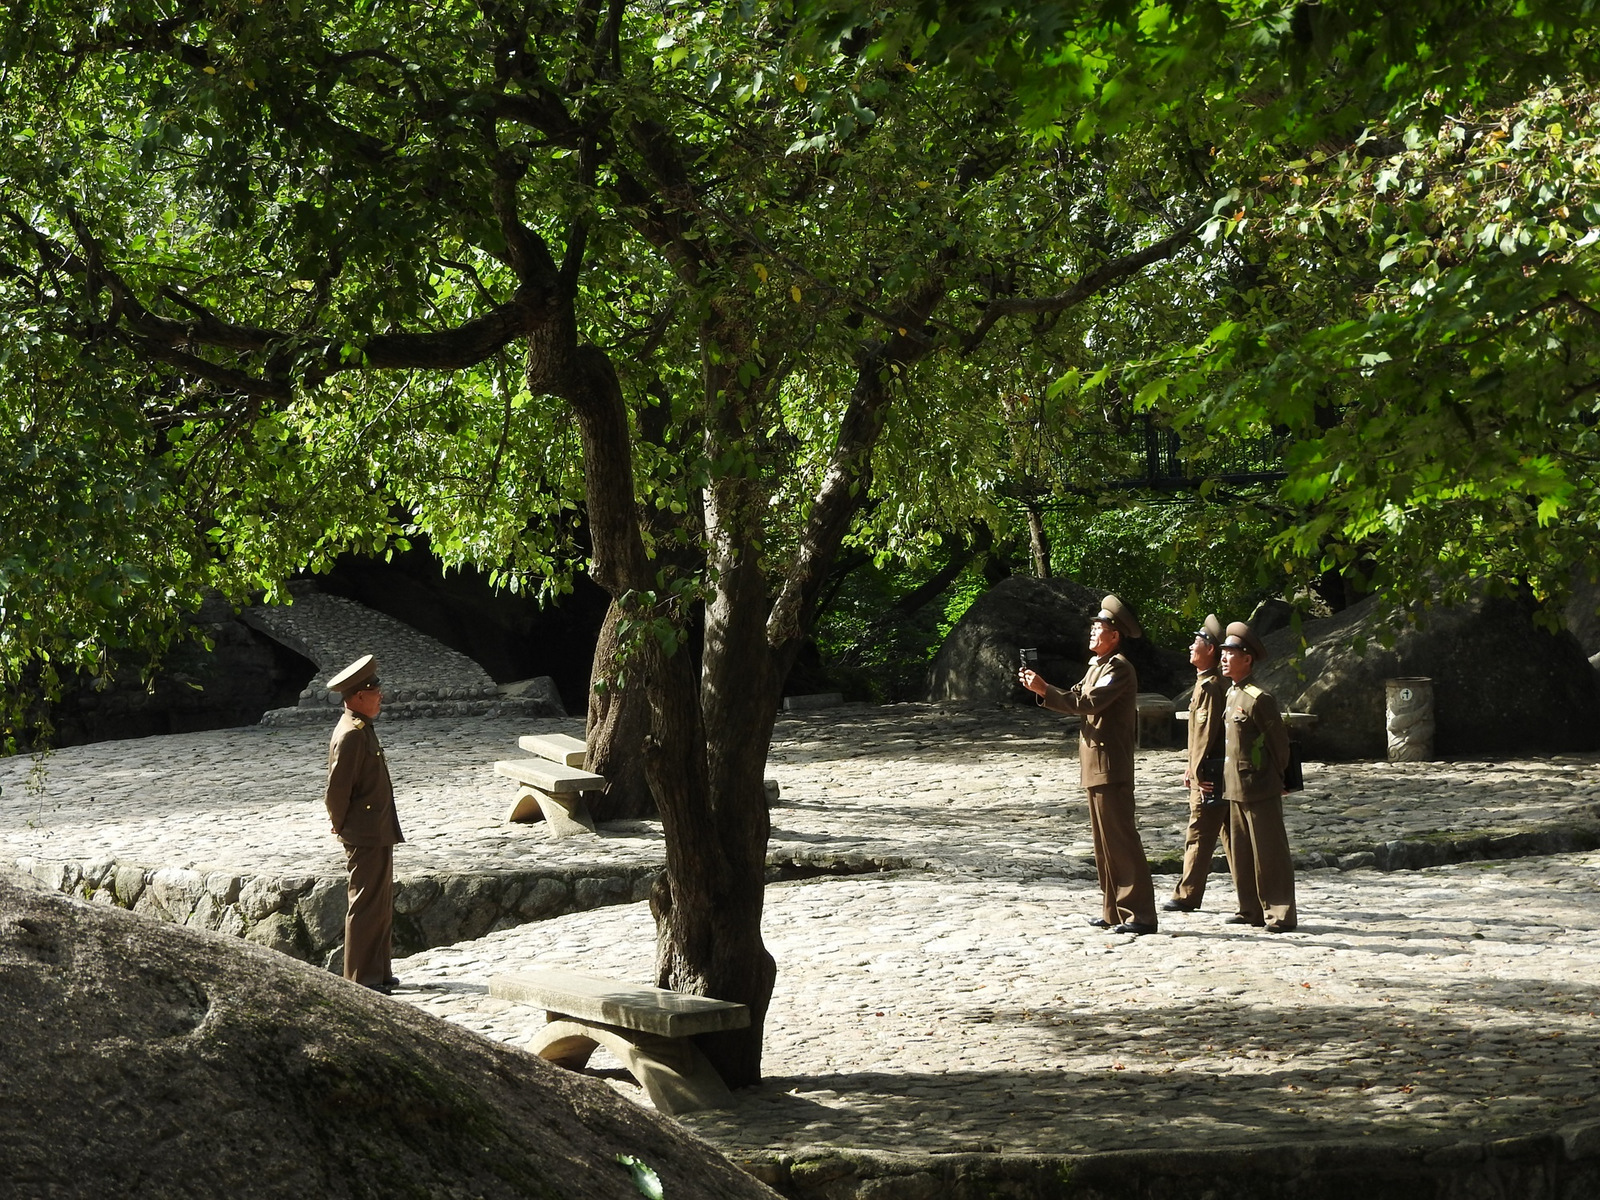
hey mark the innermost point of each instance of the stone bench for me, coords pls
(1155, 719)
(648, 1029)
(552, 790)
(563, 748)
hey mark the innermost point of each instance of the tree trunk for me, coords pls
(708, 902)
(709, 913)
(1040, 541)
(705, 773)
(619, 722)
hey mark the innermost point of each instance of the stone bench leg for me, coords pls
(672, 1071)
(565, 813)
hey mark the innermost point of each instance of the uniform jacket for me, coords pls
(359, 796)
(1206, 705)
(1107, 698)
(1257, 745)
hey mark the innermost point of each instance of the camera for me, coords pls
(1029, 657)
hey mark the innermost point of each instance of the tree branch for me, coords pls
(1103, 277)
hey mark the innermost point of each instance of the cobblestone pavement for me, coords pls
(973, 791)
(958, 1002)
(949, 1015)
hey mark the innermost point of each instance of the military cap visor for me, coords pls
(1242, 637)
(363, 673)
(1116, 614)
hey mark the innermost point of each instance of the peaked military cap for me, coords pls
(1120, 617)
(1211, 629)
(1242, 637)
(359, 674)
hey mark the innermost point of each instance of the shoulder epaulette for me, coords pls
(357, 723)
(1253, 691)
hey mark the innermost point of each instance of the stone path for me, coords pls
(956, 1001)
(421, 675)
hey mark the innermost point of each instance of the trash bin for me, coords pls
(1408, 718)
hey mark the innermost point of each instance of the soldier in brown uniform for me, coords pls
(360, 800)
(1107, 700)
(1208, 809)
(1257, 753)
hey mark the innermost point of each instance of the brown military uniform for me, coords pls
(1258, 851)
(1207, 822)
(1107, 700)
(360, 800)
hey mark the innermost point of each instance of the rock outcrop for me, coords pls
(978, 660)
(142, 1059)
(1501, 685)
(240, 676)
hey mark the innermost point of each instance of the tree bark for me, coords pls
(619, 723)
(1040, 541)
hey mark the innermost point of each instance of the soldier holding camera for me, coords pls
(1107, 700)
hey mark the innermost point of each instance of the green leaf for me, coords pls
(644, 1176)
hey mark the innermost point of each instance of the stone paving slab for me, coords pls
(960, 1016)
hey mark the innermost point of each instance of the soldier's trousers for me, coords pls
(369, 916)
(1207, 824)
(1263, 870)
(1126, 894)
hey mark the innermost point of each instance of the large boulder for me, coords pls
(144, 1059)
(1501, 685)
(978, 660)
(230, 682)
(1582, 614)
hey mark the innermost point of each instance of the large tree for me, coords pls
(285, 268)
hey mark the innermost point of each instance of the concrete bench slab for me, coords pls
(648, 1030)
(548, 776)
(557, 747)
(624, 1005)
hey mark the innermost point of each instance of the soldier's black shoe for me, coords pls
(390, 981)
(1177, 906)
(383, 989)
(1099, 922)
(1133, 927)
(1240, 919)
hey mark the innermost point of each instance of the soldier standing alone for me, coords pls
(1208, 809)
(1107, 700)
(360, 800)
(1257, 753)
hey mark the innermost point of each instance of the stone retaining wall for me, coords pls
(1576, 837)
(1564, 1165)
(303, 916)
